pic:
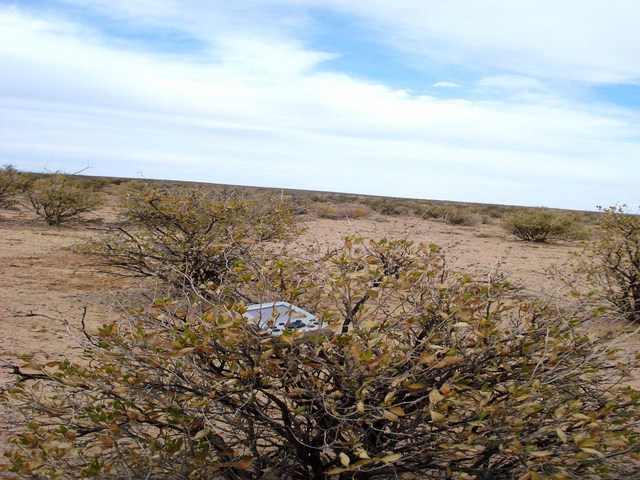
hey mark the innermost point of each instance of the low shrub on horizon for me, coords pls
(333, 211)
(542, 225)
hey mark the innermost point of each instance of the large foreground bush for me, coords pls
(428, 374)
(187, 235)
(611, 262)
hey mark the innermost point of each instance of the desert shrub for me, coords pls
(356, 211)
(428, 375)
(188, 235)
(9, 183)
(326, 210)
(387, 206)
(454, 215)
(492, 211)
(330, 210)
(302, 204)
(611, 261)
(541, 225)
(459, 217)
(435, 212)
(96, 183)
(26, 180)
(57, 198)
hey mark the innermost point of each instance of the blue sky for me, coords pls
(527, 102)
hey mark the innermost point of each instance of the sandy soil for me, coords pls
(480, 249)
(44, 286)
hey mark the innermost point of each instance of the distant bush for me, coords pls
(330, 210)
(326, 210)
(97, 183)
(428, 374)
(451, 214)
(57, 198)
(460, 217)
(191, 234)
(541, 225)
(492, 211)
(388, 206)
(611, 262)
(9, 183)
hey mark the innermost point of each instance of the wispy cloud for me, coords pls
(254, 103)
(445, 84)
(591, 41)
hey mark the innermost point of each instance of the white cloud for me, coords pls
(510, 82)
(259, 110)
(446, 84)
(591, 40)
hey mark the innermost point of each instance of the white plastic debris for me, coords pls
(279, 317)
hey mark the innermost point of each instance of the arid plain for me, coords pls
(46, 288)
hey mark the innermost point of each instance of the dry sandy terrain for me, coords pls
(43, 284)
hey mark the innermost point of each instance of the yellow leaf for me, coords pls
(437, 417)
(446, 361)
(397, 410)
(580, 416)
(392, 417)
(616, 442)
(427, 358)
(561, 435)
(540, 454)
(362, 453)
(516, 446)
(435, 397)
(201, 434)
(344, 459)
(360, 408)
(335, 471)
(560, 412)
(592, 451)
(287, 338)
(461, 325)
(391, 458)
(181, 352)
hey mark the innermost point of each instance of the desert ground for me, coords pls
(45, 287)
